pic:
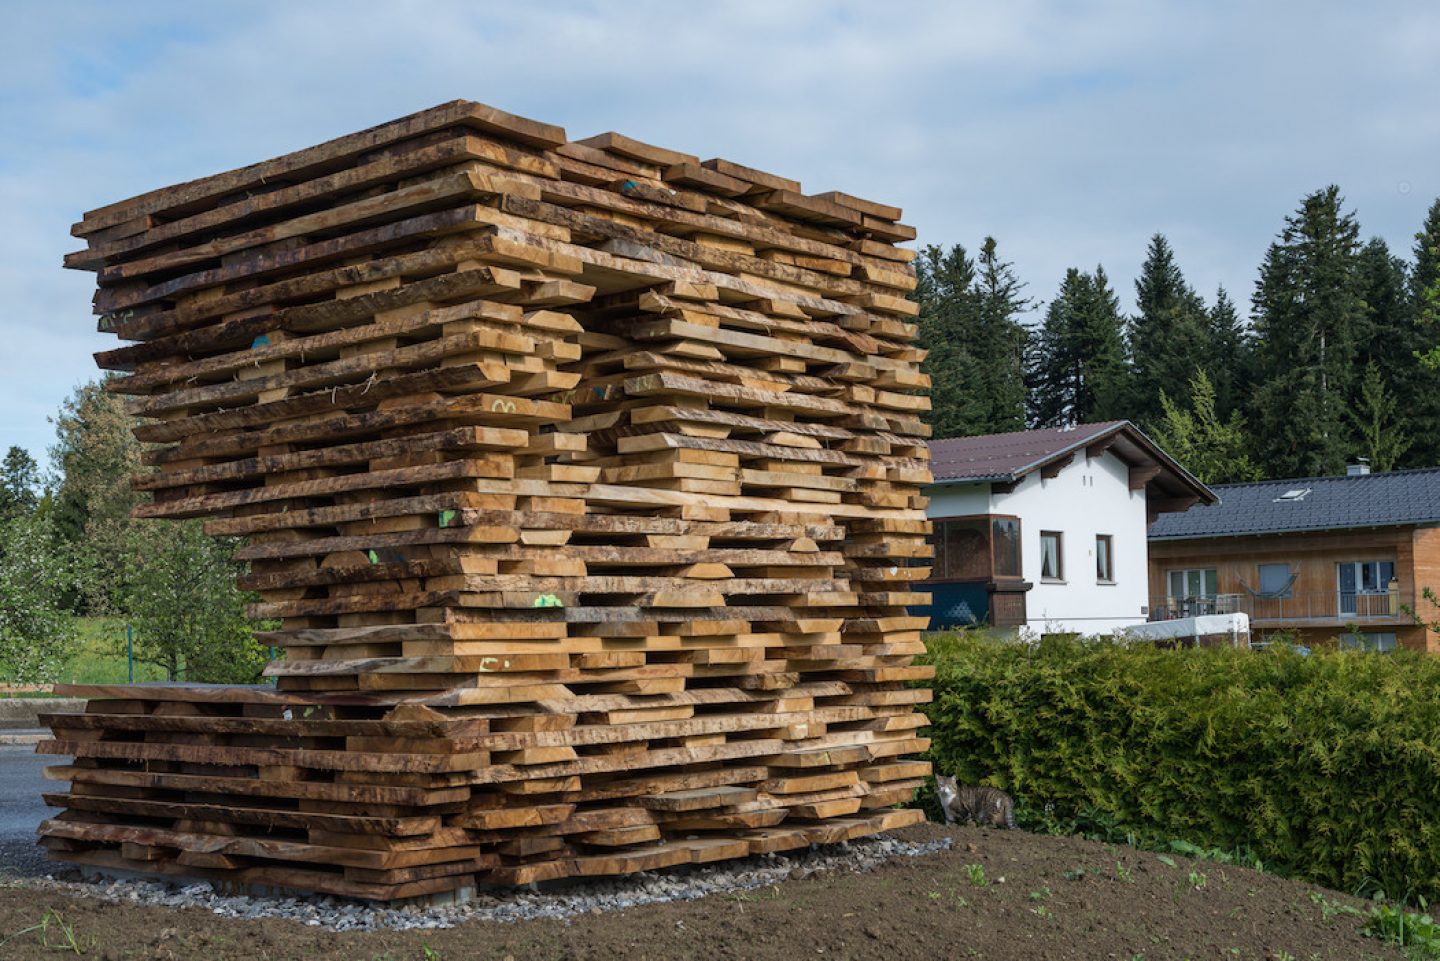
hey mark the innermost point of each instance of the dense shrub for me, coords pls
(36, 636)
(1326, 766)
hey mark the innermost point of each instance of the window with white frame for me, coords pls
(1382, 642)
(1193, 582)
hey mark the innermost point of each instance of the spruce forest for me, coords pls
(1336, 357)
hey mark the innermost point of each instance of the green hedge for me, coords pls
(1326, 767)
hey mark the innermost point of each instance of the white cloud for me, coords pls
(1071, 132)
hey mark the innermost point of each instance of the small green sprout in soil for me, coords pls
(55, 934)
(1416, 933)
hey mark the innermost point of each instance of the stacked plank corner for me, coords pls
(580, 482)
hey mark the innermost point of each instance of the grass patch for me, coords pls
(100, 658)
(54, 934)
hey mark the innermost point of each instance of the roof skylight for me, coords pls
(1297, 494)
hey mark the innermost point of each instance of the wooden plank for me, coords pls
(457, 112)
(584, 480)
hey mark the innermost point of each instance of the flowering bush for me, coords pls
(37, 636)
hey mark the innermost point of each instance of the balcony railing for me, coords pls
(1335, 607)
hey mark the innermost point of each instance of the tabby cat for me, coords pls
(986, 806)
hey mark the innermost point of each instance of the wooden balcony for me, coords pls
(1299, 609)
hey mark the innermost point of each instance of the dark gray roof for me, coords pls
(1397, 498)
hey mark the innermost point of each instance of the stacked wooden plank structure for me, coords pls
(581, 480)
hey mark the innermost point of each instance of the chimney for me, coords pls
(1360, 468)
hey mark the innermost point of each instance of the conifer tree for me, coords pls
(969, 325)
(1388, 341)
(1383, 438)
(1213, 448)
(1077, 369)
(19, 483)
(1308, 316)
(1000, 301)
(1226, 360)
(1168, 334)
(947, 322)
(1383, 280)
(1425, 275)
(1424, 297)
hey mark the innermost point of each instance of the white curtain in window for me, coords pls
(1049, 557)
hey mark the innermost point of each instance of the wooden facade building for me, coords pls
(1328, 559)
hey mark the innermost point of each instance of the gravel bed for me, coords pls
(517, 904)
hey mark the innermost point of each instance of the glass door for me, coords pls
(1359, 582)
(1193, 591)
(1196, 583)
(1347, 588)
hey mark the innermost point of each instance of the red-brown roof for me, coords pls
(1005, 458)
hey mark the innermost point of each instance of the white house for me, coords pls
(1045, 530)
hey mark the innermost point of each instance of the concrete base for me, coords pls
(23, 713)
(12, 738)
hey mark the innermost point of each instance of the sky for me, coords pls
(1070, 132)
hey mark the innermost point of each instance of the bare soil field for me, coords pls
(996, 895)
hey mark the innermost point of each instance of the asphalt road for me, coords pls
(22, 810)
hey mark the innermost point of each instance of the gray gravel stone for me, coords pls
(508, 905)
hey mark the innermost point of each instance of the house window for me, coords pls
(1006, 533)
(1197, 582)
(1366, 577)
(1276, 580)
(1052, 562)
(1382, 642)
(975, 548)
(1105, 558)
(1364, 587)
(961, 549)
